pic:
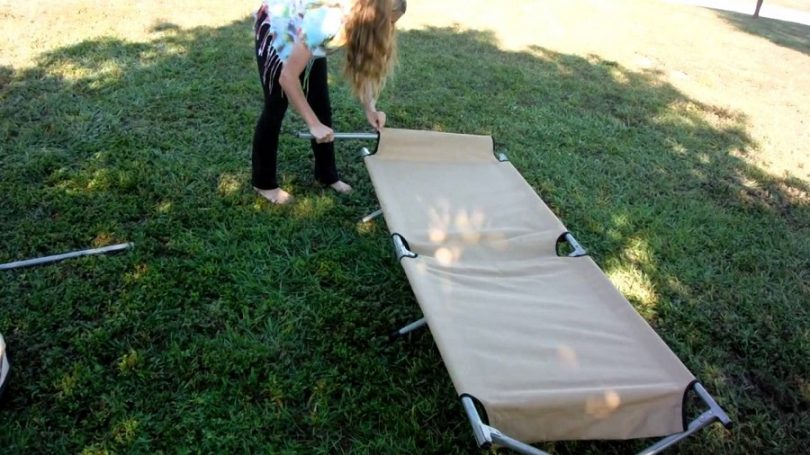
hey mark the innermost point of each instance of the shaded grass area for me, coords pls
(787, 34)
(234, 326)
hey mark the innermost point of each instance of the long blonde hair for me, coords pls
(371, 46)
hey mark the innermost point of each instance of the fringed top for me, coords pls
(316, 23)
(282, 23)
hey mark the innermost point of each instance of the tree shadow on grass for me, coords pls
(782, 33)
(235, 326)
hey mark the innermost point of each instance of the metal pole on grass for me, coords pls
(60, 257)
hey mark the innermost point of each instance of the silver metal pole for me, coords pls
(481, 431)
(578, 249)
(715, 412)
(412, 326)
(705, 419)
(60, 257)
(372, 215)
(345, 136)
(501, 439)
(399, 247)
(485, 435)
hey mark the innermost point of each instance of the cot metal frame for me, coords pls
(343, 136)
(487, 436)
(63, 256)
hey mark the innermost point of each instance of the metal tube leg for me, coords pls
(483, 435)
(343, 136)
(715, 413)
(578, 249)
(409, 328)
(501, 439)
(60, 257)
(371, 216)
(486, 436)
(705, 419)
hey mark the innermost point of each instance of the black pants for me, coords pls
(268, 128)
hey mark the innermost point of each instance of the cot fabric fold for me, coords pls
(547, 344)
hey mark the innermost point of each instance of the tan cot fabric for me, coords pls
(547, 344)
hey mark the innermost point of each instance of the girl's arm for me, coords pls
(291, 84)
(375, 118)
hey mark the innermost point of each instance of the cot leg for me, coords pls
(485, 435)
(520, 447)
(408, 328)
(715, 413)
(371, 216)
(578, 249)
(696, 425)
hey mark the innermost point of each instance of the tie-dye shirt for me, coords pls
(316, 23)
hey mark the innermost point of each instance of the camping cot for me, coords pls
(538, 343)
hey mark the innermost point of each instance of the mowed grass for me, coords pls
(234, 326)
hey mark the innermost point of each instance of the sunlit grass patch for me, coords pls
(637, 287)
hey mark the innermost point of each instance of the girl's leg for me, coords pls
(268, 127)
(265, 146)
(318, 99)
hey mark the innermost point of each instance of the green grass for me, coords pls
(234, 326)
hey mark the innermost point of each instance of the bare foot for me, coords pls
(276, 196)
(341, 187)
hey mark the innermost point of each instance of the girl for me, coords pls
(293, 38)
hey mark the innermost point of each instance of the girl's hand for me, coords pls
(376, 119)
(322, 133)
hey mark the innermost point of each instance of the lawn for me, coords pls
(671, 140)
